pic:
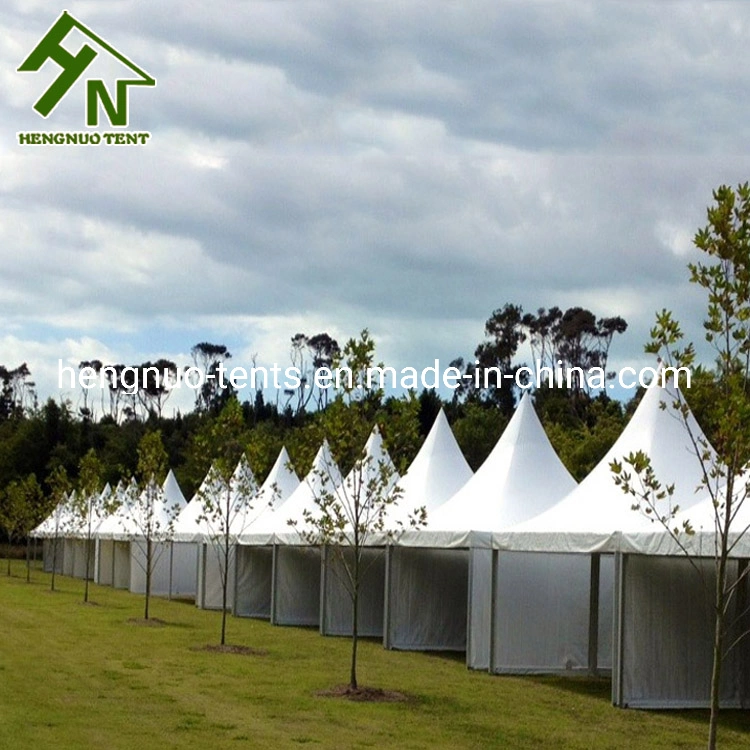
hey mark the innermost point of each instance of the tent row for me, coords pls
(518, 565)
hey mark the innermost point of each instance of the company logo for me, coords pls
(98, 97)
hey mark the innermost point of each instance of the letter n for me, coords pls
(116, 114)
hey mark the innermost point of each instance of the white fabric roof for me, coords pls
(187, 527)
(167, 503)
(702, 517)
(375, 468)
(57, 521)
(244, 494)
(278, 487)
(173, 498)
(98, 515)
(437, 472)
(114, 522)
(589, 518)
(521, 477)
(375, 459)
(323, 477)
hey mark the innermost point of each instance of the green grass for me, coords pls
(77, 676)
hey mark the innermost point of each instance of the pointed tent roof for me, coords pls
(173, 497)
(278, 487)
(99, 513)
(521, 478)
(115, 522)
(438, 471)
(589, 518)
(702, 517)
(167, 503)
(244, 490)
(323, 477)
(374, 470)
(375, 459)
(56, 522)
(187, 527)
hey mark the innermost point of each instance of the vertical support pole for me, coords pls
(235, 587)
(469, 605)
(742, 625)
(593, 659)
(387, 596)
(618, 636)
(493, 609)
(171, 567)
(204, 565)
(274, 567)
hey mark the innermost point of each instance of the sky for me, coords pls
(406, 167)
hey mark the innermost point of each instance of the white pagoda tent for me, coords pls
(437, 472)
(243, 510)
(553, 588)
(113, 554)
(169, 572)
(440, 578)
(375, 471)
(52, 533)
(296, 566)
(664, 611)
(79, 548)
(254, 552)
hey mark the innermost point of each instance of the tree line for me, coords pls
(38, 440)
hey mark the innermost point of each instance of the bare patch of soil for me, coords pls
(230, 649)
(365, 694)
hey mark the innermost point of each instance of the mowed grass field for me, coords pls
(88, 676)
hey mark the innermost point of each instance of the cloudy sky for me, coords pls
(328, 166)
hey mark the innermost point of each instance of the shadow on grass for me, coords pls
(452, 656)
(181, 600)
(734, 719)
(598, 688)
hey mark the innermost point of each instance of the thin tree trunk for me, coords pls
(54, 562)
(148, 576)
(355, 620)
(88, 559)
(225, 579)
(9, 554)
(720, 601)
(28, 559)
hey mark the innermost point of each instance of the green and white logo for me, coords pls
(74, 66)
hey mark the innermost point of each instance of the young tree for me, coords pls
(17, 508)
(226, 499)
(88, 507)
(60, 489)
(725, 277)
(151, 519)
(354, 515)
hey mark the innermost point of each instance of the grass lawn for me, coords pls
(87, 676)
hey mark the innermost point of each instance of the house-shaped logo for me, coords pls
(74, 66)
